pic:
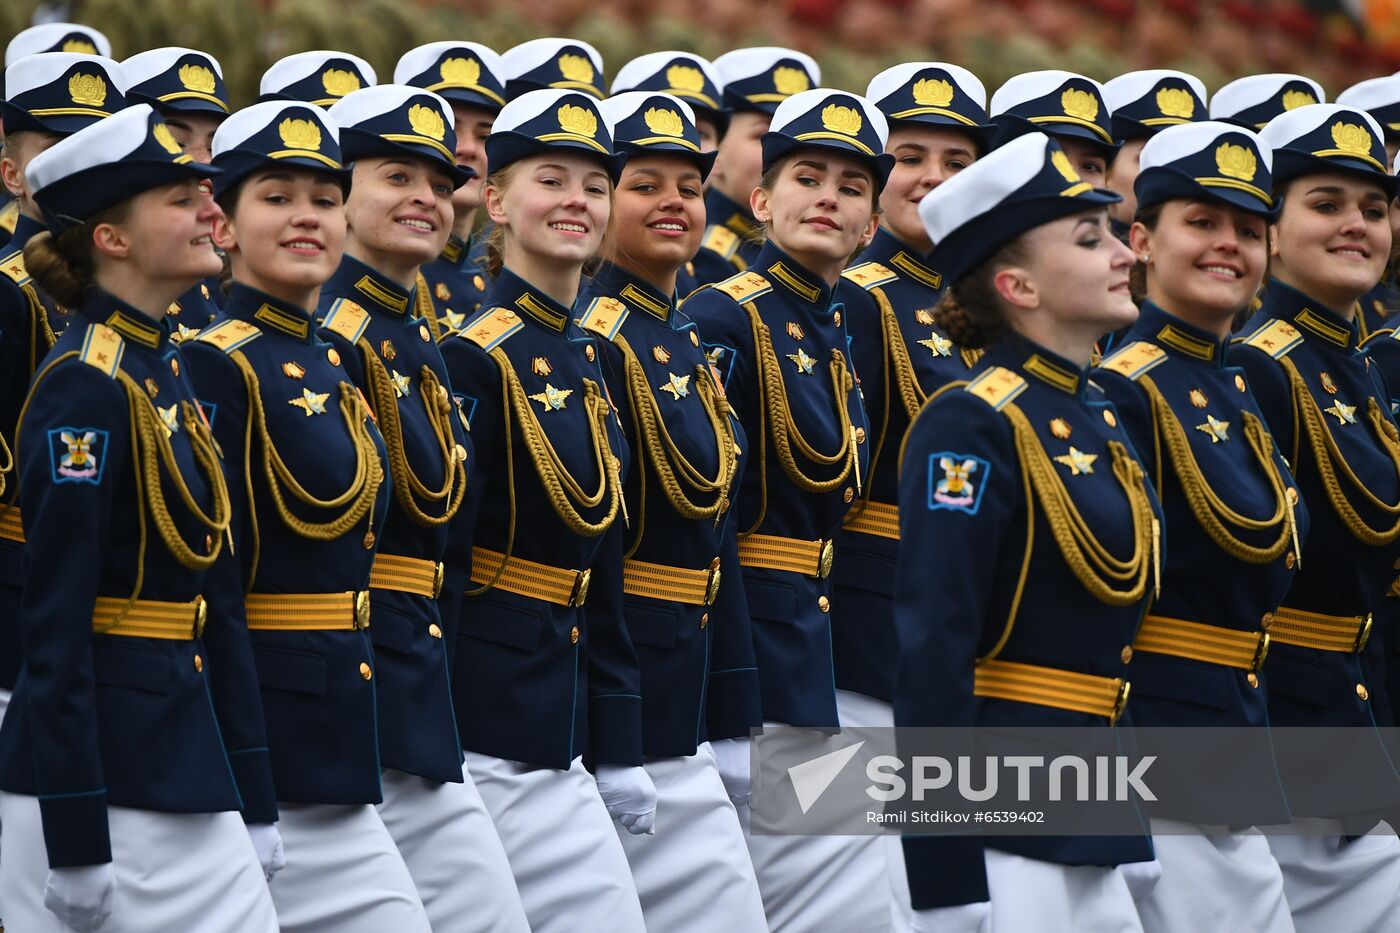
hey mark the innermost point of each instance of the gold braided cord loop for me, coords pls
(1109, 579)
(1330, 461)
(897, 354)
(408, 488)
(423, 303)
(357, 499)
(666, 458)
(1210, 510)
(8, 463)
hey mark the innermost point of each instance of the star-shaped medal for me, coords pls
(402, 384)
(171, 417)
(1217, 429)
(803, 361)
(313, 403)
(454, 319)
(678, 386)
(941, 346)
(552, 399)
(1077, 461)
(1344, 413)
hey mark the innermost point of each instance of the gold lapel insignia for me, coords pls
(939, 345)
(836, 318)
(313, 403)
(540, 366)
(1217, 429)
(478, 283)
(403, 386)
(184, 333)
(293, 370)
(171, 417)
(794, 330)
(1077, 461)
(440, 290)
(803, 361)
(552, 399)
(172, 309)
(1060, 428)
(386, 350)
(424, 333)
(1239, 382)
(333, 356)
(694, 339)
(1344, 413)
(1198, 398)
(204, 290)
(151, 388)
(923, 316)
(678, 386)
(661, 354)
(1328, 385)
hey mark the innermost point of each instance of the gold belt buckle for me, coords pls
(1121, 703)
(437, 580)
(1363, 635)
(826, 558)
(580, 591)
(712, 584)
(362, 609)
(201, 615)
(1261, 651)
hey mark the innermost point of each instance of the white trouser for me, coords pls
(857, 710)
(1213, 878)
(1336, 886)
(453, 853)
(193, 872)
(569, 867)
(694, 874)
(343, 873)
(821, 883)
(1028, 894)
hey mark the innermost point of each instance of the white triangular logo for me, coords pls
(811, 778)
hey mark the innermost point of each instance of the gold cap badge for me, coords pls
(1079, 104)
(1061, 163)
(685, 78)
(427, 121)
(576, 68)
(339, 82)
(300, 134)
(1351, 138)
(933, 92)
(89, 90)
(578, 120)
(197, 78)
(844, 120)
(167, 140)
(1236, 161)
(461, 72)
(1176, 102)
(1292, 100)
(663, 122)
(788, 80)
(81, 46)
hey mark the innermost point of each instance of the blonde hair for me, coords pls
(501, 180)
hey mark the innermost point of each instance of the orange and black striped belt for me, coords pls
(307, 612)
(1317, 630)
(149, 618)
(874, 518)
(1050, 686)
(406, 574)
(675, 584)
(794, 555)
(523, 577)
(1199, 642)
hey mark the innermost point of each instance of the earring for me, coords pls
(1145, 258)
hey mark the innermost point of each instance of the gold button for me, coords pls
(198, 664)
(333, 356)
(1252, 679)
(204, 291)
(823, 604)
(860, 435)
(573, 635)
(460, 453)
(589, 352)
(694, 339)
(1110, 418)
(1290, 560)
(1126, 654)
(836, 318)
(423, 332)
(365, 672)
(1266, 621)
(368, 540)
(478, 283)
(1293, 500)
(209, 544)
(1362, 693)
(175, 366)
(435, 630)
(849, 494)
(1239, 382)
(704, 620)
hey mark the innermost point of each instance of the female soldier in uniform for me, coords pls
(1022, 621)
(124, 758)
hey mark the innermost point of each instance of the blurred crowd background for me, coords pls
(1337, 42)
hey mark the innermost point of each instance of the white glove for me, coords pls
(267, 842)
(1141, 877)
(960, 918)
(732, 757)
(81, 897)
(630, 797)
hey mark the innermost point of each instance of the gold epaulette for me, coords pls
(869, 274)
(745, 286)
(347, 319)
(102, 349)
(720, 240)
(997, 387)
(1134, 360)
(1277, 338)
(12, 267)
(492, 328)
(229, 335)
(604, 317)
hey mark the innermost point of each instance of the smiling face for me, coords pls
(194, 131)
(1332, 240)
(1207, 260)
(164, 245)
(739, 165)
(399, 213)
(658, 217)
(925, 157)
(472, 125)
(553, 211)
(819, 208)
(285, 233)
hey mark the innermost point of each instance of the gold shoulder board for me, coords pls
(229, 335)
(102, 349)
(720, 240)
(1135, 360)
(347, 319)
(1276, 338)
(13, 268)
(745, 286)
(869, 274)
(604, 317)
(997, 386)
(492, 328)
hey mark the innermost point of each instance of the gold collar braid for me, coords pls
(423, 300)
(1330, 460)
(1210, 510)
(408, 488)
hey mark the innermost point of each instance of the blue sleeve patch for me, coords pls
(955, 481)
(466, 408)
(721, 358)
(78, 455)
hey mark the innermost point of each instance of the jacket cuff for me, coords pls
(615, 729)
(252, 772)
(75, 829)
(945, 871)
(734, 704)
